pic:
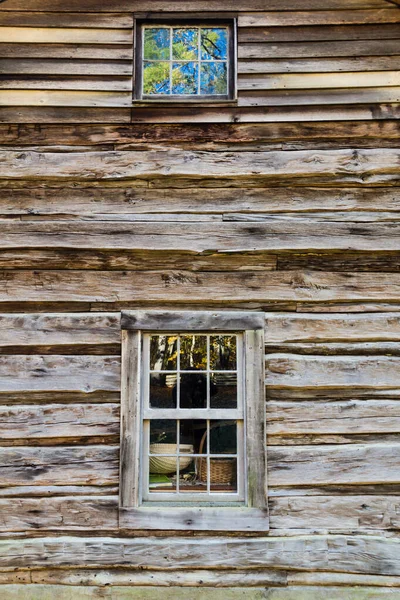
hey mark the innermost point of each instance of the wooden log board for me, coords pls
(64, 513)
(51, 66)
(64, 98)
(337, 166)
(186, 287)
(317, 65)
(67, 51)
(338, 553)
(77, 20)
(341, 417)
(79, 465)
(319, 17)
(64, 199)
(352, 464)
(310, 33)
(319, 49)
(318, 97)
(188, 6)
(59, 330)
(276, 235)
(81, 83)
(291, 371)
(331, 328)
(40, 423)
(25, 134)
(335, 512)
(292, 81)
(52, 374)
(64, 35)
(51, 114)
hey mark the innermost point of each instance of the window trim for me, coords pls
(231, 96)
(133, 515)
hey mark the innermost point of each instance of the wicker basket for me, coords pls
(167, 466)
(222, 470)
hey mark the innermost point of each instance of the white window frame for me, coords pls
(248, 512)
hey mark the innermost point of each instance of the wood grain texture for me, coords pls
(334, 512)
(83, 374)
(338, 166)
(286, 371)
(317, 65)
(193, 321)
(67, 19)
(62, 35)
(284, 18)
(64, 98)
(352, 464)
(71, 421)
(337, 553)
(320, 49)
(54, 66)
(65, 513)
(78, 465)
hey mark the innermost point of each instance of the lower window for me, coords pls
(193, 421)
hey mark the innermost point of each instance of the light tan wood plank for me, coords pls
(318, 65)
(58, 35)
(76, 421)
(342, 417)
(43, 19)
(79, 465)
(320, 81)
(330, 327)
(319, 49)
(84, 374)
(355, 166)
(275, 235)
(66, 98)
(339, 553)
(389, 14)
(66, 51)
(318, 97)
(90, 83)
(51, 114)
(187, 287)
(356, 464)
(289, 370)
(335, 512)
(65, 513)
(59, 330)
(51, 66)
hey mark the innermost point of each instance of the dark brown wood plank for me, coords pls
(65, 19)
(284, 18)
(319, 49)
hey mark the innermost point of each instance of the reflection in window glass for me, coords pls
(185, 43)
(163, 390)
(193, 390)
(223, 390)
(185, 61)
(223, 352)
(214, 44)
(193, 352)
(213, 78)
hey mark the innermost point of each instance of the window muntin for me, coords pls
(193, 418)
(192, 61)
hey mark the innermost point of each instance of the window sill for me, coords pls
(237, 519)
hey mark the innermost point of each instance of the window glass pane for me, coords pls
(214, 43)
(163, 390)
(193, 352)
(223, 438)
(185, 42)
(194, 432)
(223, 475)
(156, 78)
(223, 390)
(161, 483)
(213, 78)
(193, 390)
(156, 43)
(185, 77)
(163, 436)
(163, 352)
(223, 352)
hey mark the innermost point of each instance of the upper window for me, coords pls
(185, 61)
(193, 421)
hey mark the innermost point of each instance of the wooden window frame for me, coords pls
(230, 98)
(253, 515)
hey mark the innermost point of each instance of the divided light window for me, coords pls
(185, 61)
(193, 421)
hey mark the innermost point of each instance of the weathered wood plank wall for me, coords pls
(287, 202)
